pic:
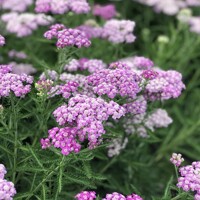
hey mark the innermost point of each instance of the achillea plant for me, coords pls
(79, 114)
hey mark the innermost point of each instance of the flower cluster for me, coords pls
(86, 195)
(91, 31)
(17, 54)
(22, 68)
(116, 146)
(85, 116)
(91, 195)
(169, 7)
(106, 12)
(119, 31)
(24, 24)
(15, 5)
(67, 37)
(189, 179)
(7, 189)
(49, 74)
(136, 106)
(194, 23)
(115, 31)
(167, 84)
(112, 82)
(92, 65)
(48, 87)
(142, 63)
(176, 159)
(19, 84)
(62, 6)
(139, 123)
(2, 40)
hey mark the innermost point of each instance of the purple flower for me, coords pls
(134, 197)
(106, 12)
(84, 117)
(22, 68)
(62, 6)
(68, 37)
(176, 159)
(114, 195)
(189, 179)
(149, 74)
(91, 31)
(17, 54)
(142, 62)
(119, 31)
(167, 84)
(19, 84)
(2, 171)
(24, 24)
(2, 40)
(86, 195)
(119, 81)
(15, 5)
(7, 189)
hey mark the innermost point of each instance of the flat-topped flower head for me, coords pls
(114, 196)
(119, 31)
(7, 190)
(166, 85)
(67, 37)
(83, 119)
(119, 81)
(86, 195)
(20, 85)
(189, 179)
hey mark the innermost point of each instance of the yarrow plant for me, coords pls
(84, 103)
(189, 179)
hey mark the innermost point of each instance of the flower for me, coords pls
(189, 179)
(167, 84)
(106, 11)
(176, 159)
(2, 40)
(86, 195)
(19, 84)
(7, 189)
(113, 82)
(67, 37)
(62, 6)
(119, 31)
(15, 5)
(82, 119)
(24, 24)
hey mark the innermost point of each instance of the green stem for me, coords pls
(14, 126)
